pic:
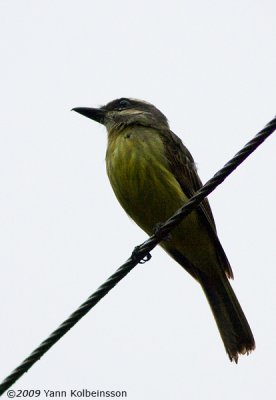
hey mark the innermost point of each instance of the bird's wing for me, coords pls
(184, 170)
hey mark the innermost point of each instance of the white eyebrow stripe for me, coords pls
(131, 111)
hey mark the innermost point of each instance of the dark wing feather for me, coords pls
(183, 168)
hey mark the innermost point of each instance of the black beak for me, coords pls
(97, 114)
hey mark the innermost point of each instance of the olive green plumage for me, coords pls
(153, 174)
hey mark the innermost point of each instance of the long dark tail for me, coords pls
(232, 324)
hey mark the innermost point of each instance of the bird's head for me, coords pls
(123, 112)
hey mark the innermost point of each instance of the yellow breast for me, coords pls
(139, 174)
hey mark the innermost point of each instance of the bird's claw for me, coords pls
(156, 228)
(135, 256)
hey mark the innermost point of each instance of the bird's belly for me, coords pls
(148, 191)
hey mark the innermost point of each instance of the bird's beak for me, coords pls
(97, 114)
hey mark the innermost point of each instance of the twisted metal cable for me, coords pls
(140, 254)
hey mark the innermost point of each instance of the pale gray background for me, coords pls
(210, 67)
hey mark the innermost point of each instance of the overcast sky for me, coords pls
(210, 67)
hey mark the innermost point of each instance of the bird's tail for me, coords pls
(232, 324)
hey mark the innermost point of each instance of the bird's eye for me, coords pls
(124, 103)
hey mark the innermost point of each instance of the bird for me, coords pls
(153, 174)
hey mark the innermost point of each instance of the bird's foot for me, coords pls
(156, 229)
(135, 256)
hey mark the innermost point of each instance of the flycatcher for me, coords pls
(153, 174)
